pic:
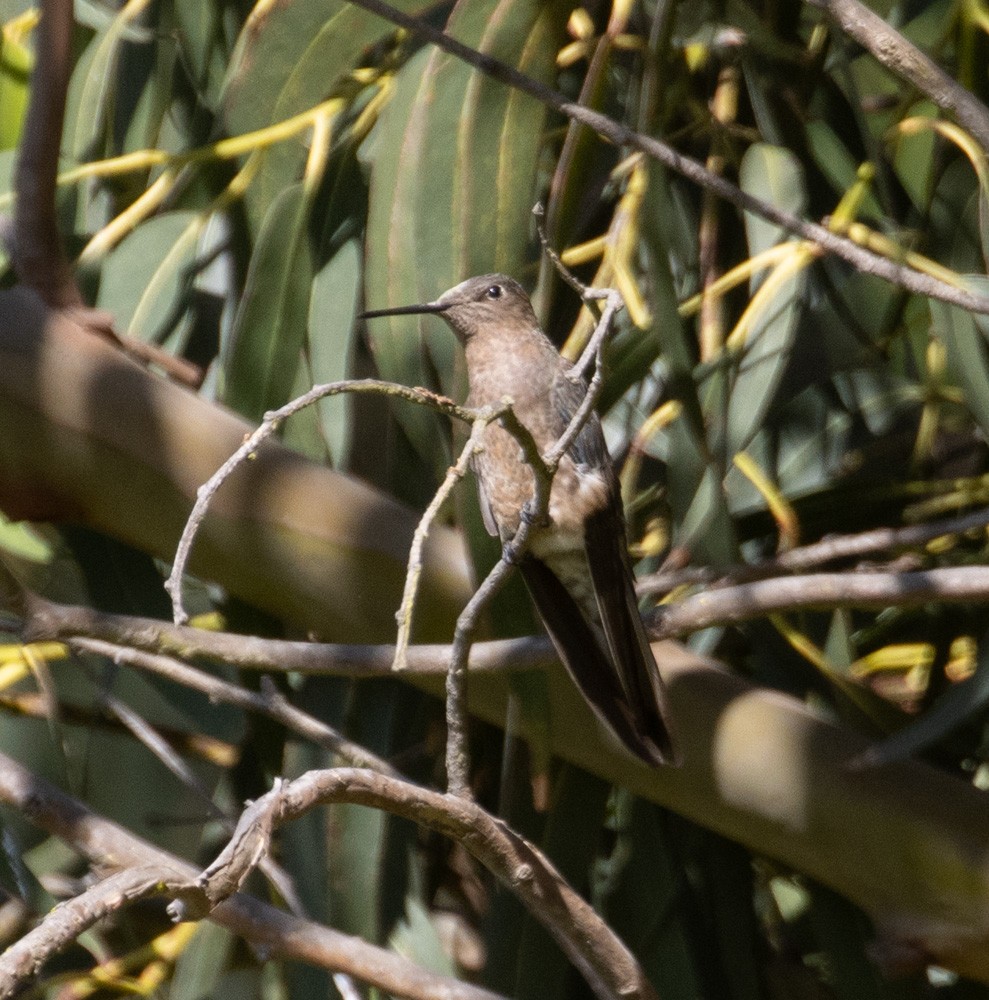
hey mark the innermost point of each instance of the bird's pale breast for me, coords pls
(506, 480)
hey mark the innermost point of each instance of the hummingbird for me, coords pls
(576, 565)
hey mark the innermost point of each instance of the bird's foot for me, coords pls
(529, 516)
(511, 553)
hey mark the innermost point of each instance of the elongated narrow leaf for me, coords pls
(453, 180)
(965, 336)
(774, 175)
(144, 279)
(288, 58)
(202, 965)
(15, 67)
(271, 323)
(763, 362)
(332, 307)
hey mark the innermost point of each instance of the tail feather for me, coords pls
(628, 644)
(631, 713)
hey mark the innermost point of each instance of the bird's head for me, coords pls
(491, 304)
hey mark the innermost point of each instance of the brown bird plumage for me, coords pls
(576, 567)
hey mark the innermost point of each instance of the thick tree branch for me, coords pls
(763, 770)
(123, 452)
(38, 255)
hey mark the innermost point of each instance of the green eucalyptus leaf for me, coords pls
(834, 160)
(270, 326)
(288, 58)
(806, 448)
(204, 48)
(416, 937)
(333, 307)
(773, 174)
(965, 336)
(145, 278)
(453, 177)
(15, 69)
(203, 965)
(737, 389)
(706, 530)
(634, 887)
(915, 159)
(571, 838)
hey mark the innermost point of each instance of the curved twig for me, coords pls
(605, 962)
(265, 430)
(272, 932)
(63, 925)
(454, 474)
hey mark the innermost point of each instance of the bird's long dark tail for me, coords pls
(618, 679)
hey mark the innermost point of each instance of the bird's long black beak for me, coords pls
(428, 307)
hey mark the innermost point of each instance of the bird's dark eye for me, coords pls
(494, 292)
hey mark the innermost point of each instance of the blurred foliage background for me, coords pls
(239, 182)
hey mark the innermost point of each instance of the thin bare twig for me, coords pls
(605, 962)
(622, 135)
(272, 932)
(454, 474)
(555, 259)
(269, 702)
(831, 549)
(825, 591)
(593, 351)
(24, 958)
(457, 755)
(265, 430)
(46, 620)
